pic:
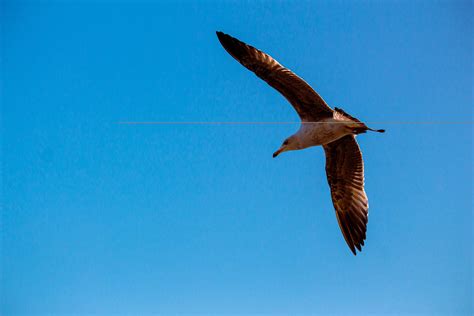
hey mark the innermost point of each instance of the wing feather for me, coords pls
(345, 173)
(307, 103)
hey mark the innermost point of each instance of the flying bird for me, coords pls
(335, 130)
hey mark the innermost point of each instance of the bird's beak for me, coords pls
(279, 151)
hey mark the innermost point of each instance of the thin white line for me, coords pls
(288, 123)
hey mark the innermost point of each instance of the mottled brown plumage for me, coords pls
(307, 103)
(345, 173)
(335, 130)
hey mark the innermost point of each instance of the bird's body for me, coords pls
(335, 130)
(322, 132)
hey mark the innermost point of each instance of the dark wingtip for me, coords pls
(221, 35)
(224, 39)
(381, 130)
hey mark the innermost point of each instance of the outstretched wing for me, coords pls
(309, 105)
(345, 173)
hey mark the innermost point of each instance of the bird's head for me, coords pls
(291, 143)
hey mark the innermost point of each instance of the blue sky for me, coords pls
(102, 218)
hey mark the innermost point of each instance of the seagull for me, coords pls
(335, 130)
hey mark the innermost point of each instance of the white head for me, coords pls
(291, 143)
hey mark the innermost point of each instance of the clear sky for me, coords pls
(101, 218)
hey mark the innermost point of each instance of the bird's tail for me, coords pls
(357, 127)
(361, 128)
(376, 130)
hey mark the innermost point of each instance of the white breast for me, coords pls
(320, 133)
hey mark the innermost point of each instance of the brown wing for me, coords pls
(345, 173)
(309, 105)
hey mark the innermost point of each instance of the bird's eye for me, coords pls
(285, 142)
